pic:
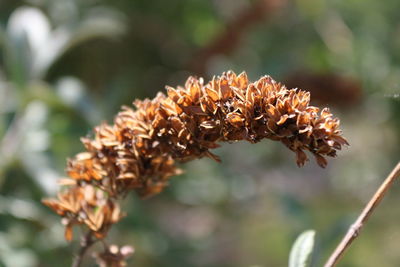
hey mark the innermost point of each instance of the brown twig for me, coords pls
(327, 88)
(356, 227)
(227, 41)
(86, 242)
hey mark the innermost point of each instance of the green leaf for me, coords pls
(98, 24)
(302, 249)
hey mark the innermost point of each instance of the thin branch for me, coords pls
(86, 242)
(227, 41)
(356, 227)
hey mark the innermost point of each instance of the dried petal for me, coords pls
(140, 150)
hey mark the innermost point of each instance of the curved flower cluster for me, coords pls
(86, 205)
(140, 150)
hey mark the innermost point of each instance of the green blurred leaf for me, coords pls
(101, 24)
(2, 35)
(16, 55)
(27, 30)
(302, 249)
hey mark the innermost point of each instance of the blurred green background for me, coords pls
(68, 65)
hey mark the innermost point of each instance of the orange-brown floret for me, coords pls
(140, 150)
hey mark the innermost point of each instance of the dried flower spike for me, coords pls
(113, 256)
(139, 151)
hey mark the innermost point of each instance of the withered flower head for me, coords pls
(139, 151)
(85, 205)
(114, 256)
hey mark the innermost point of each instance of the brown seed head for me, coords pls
(140, 150)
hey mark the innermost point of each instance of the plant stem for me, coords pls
(86, 242)
(356, 227)
(11, 140)
(228, 40)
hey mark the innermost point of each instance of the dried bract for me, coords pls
(140, 150)
(114, 256)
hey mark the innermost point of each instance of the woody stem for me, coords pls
(86, 242)
(355, 228)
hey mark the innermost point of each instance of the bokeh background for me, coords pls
(68, 65)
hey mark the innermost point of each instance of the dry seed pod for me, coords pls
(114, 256)
(139, 151)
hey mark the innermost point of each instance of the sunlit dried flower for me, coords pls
(85, 205)
(114, 256)
(140, 150)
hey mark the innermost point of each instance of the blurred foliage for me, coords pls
(67, 65)
(301, 252)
